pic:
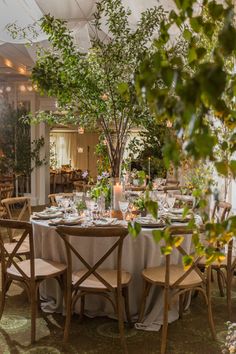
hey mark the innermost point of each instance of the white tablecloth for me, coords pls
(138, 254)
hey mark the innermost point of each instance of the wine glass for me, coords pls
(170, 202)
(90, 204)
(123, 205)
(65, 203)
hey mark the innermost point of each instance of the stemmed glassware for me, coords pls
(65, 204)
(124, 205)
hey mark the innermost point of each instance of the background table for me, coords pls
(137, 254)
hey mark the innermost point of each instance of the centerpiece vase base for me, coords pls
(116, 214)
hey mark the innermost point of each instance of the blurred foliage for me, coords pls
(189, 80)
(149, 145)
(19, 155)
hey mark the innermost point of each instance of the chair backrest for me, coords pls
(221, 210)
(171, 188)
(171, 182)
(16, 208)
(53, 197)
(6, 193)
(186, 232)
(24, 230)
(116, 233)
(20, 204)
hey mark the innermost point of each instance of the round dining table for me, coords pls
(139, 253)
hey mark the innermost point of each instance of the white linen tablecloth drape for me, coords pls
(138, 254)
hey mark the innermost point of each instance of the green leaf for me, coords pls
(187, 34)
(192, 55)
(187, 261)
(222, 167)
(165, 250)
(185, 212)
(215, 10)
(152, 207)
(157, 235)
(196, 23)
(135, 229)
(232, 167)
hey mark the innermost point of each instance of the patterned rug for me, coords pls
(189, 335)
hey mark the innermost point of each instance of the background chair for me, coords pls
(224, 270)
(30, 272)
(175, 281)
(16, 208)
(53, 197)
(221, 211)
(92, 279)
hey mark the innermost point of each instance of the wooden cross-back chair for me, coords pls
(30, 272)
(93, 280)
(175, 281)
(221, 211)
(4, 194)
(224, 270)
(53, 197)
(16, 208)
(81, 186)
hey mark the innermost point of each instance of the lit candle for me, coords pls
(149, 168)
(117, 195)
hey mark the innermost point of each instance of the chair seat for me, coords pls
(109, 275)
(43, 268)
(23, 249)
(157, 275)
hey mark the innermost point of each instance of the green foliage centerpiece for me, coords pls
(97, 89)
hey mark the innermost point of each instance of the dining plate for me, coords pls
(46, 215)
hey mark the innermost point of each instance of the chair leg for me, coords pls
(165, 321)
(33, 305)
(68, 301)
(219, 281)
(181, 305)
(125, 291)
(146, 289)
(120, 309)
(209, 307)
(82, 302)
(228, 294)
(3, 299)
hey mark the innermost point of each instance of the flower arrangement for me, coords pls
(86, 177)
(230, 342)
(85, 174)
(102, 188)
(139, 203)
(138, 177)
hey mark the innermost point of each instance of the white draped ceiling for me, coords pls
(78, 13)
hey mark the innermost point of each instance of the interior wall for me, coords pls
(75, 149)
